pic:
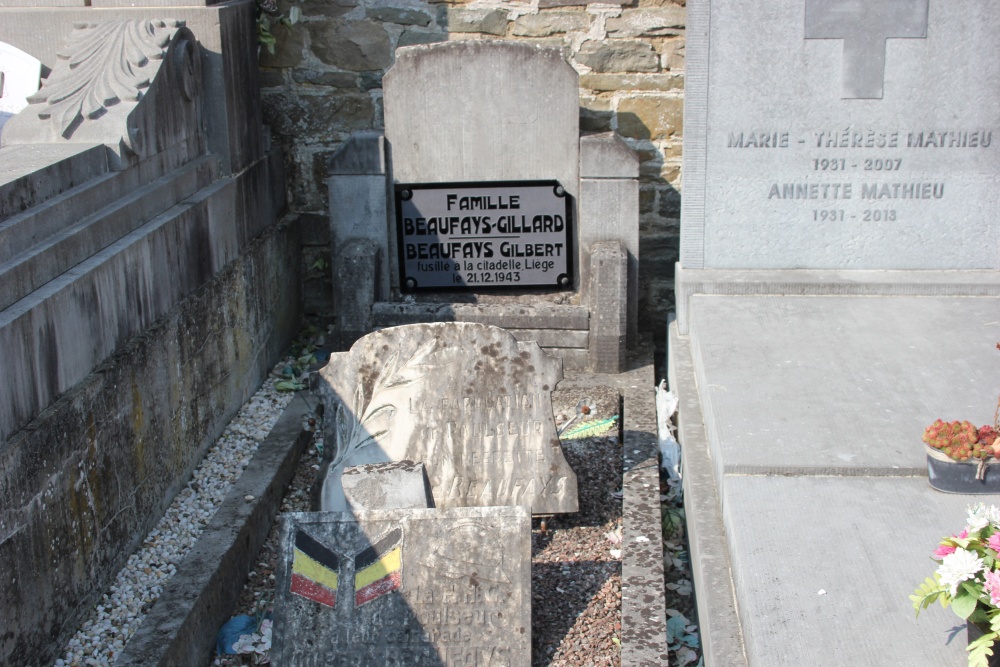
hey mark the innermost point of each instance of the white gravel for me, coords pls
(138, 585)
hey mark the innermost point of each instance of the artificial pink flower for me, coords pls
(947, 549)
(944, 550)
(994, 542)
(992, 586)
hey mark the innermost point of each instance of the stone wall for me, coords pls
(324, 82)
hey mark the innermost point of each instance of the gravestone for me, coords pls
(466, 400)
(838, 291)
(20, 74)
(405, 588)
(864, 135)
(502, 211)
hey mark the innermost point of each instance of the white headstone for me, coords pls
(20, 75)
(857, 135)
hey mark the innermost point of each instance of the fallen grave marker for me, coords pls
(405, 587)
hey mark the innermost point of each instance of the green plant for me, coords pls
(968, 579)
(268, 16)
(293, 372)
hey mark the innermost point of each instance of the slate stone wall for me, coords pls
(324, 82)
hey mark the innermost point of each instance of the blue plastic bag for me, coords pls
(230, 633)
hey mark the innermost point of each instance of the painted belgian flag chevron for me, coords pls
(379, 568)
(314, 570)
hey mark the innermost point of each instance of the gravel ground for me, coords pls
(139, 584)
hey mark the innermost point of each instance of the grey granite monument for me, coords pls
(838, 290)
(850, 142)
(466, 400)
(406, 588)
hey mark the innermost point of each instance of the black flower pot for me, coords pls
(974, 632)
(946, 474)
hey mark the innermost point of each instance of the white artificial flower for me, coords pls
(981, 516)
(993, 514)
(958, 567)
(245, 644)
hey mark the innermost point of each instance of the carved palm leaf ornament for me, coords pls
(365, 423)
(88, 79)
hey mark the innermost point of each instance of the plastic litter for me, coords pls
(670, 450)
(230, 633)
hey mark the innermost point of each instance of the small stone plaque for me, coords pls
(475, 236)
(467, 400)
(405, 588)
(386, 486)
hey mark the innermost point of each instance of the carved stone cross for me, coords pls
(865, 25)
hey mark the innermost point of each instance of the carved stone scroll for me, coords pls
(131, 85)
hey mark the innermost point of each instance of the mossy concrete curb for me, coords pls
(180, 629)
(644, 621)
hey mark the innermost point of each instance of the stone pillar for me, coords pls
(609, 211)
(608, 272)
(356, 282)
(359, 206)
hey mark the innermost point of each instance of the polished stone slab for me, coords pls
(823, 568)
(840, 384)
(858, 135)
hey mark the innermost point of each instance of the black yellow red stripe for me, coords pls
(378, 569)
(314, 570)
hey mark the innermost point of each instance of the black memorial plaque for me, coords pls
(483, 235)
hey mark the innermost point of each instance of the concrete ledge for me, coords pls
(718, 620)
(644, 621)
(180, 628)
(385, 314)
(29, 270)
(35, 173)
(86, 480)
(743, 282)
(55, 336)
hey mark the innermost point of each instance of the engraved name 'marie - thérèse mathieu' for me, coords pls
(866, 164)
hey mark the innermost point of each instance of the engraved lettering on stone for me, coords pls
(452, 561)
(864, 26)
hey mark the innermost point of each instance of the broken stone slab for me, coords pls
(468, 400)
(405, 587)
(383, 486)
